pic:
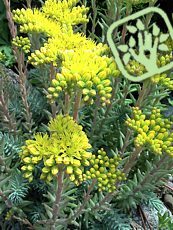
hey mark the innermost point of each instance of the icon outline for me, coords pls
(116, 54)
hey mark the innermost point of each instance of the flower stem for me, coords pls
(56, 205)
(143, 93)
(6, 114)
(132, 160)
(86, 198)
(77, 105)
(97, 103)
(67, 104)
(94, 18)
(22, 68)
(12, 27)
(124, 30)
(28, 3)
(52, 76)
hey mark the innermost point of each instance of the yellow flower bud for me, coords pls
(58, 159)
(69, 170)
(30, 168)
(27, 175)
(51, 89)
(45, 169)
(72, 177)
(55, 82)
(76, 163)
(66, 160)
(81, 84)
(78, 171)
(49, 177)
(24, 168)
(156, 128)
(102, 169)
(35, 160)
(50, 162)
(27, 160)
(54, 170)
(151, 134)
(145, 128)
(160, 136)
(86, 155)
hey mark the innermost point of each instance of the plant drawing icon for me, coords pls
(143, 45)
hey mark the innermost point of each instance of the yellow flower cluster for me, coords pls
(164, 80)
(65, 12)
(104, 169)
(34, 21)
(135, 68)
(22, 43)
(95, 79)
(84, 64)
(56, 47)
(153, 132)
(164, 59)
(67, 145)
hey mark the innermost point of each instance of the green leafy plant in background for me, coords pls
(81, 146)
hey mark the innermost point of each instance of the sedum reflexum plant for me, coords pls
(81, 146)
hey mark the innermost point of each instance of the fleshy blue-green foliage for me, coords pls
(11, 145)
(19, 189)
(114, 220)
(137, 188)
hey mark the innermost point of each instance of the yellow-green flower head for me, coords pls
(34, 21)
(65, 12)
(164, 59)
(135, 68)
(164, 80)
(152, 131)
(67, 146)
(57, 47)
(51, 17)
(22, 43)
(89, 72)
(105, 170)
